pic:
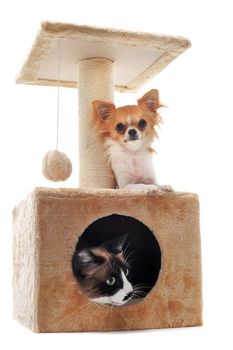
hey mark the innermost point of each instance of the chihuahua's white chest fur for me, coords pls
(132, 168)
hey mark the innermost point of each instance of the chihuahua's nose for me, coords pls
(132, 132)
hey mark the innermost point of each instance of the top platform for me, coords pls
(137, 56)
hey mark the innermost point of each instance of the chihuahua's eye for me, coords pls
(142, 123)
(120, 127)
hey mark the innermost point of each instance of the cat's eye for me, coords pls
(126, 272)
(142, 123)
(111, 281)
(120, 127)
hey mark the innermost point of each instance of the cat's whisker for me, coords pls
(127, 246)
(146, 290)
(139, 295)
(126, 254)
(141, 285)
(140, 290)
(126, 257)
(130, 261)
(125, 251)
(142, 293)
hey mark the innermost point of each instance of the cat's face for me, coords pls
(103, 273)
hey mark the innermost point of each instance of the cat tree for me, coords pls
(49, 222)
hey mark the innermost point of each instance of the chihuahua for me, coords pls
(127, 134)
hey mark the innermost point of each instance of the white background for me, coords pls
(194, 150)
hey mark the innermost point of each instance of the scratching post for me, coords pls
(50, 223)
(95, 77)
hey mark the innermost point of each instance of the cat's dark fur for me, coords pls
(103, 273)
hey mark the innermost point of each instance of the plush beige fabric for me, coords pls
(137, 56)
(56, 166)
(46, 229)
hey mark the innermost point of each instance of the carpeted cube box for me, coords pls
(47, 226)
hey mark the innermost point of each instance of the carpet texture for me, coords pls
(131, 52)
(47, 226)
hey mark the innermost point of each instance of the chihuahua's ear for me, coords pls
(102, 109)
(150, 101)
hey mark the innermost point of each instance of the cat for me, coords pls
(103, 273)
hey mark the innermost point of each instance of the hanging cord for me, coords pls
(58, 89)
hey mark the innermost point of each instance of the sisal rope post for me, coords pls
(95, 76)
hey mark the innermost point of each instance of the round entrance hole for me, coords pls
(117, 254)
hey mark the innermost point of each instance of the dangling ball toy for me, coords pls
(56, 166)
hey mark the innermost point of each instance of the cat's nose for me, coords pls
(132, 132)
(129, 295)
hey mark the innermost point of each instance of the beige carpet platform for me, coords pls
(137, 57)
(47, 226)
